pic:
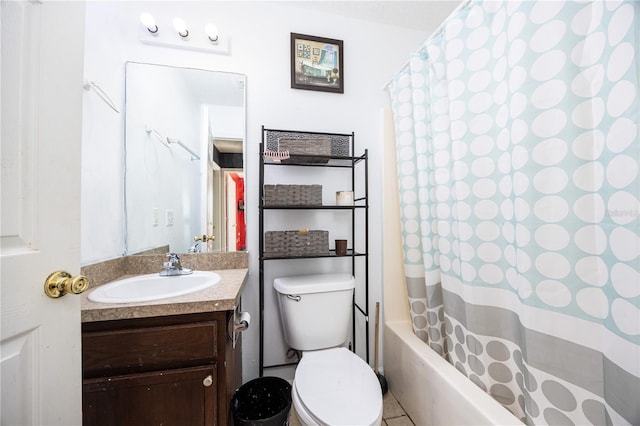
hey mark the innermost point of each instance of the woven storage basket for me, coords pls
(340, 144)
(292, 195)
(296, 243)
(298, 147)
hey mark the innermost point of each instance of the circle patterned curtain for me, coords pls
(518, 167)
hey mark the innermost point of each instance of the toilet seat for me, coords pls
(336, 387)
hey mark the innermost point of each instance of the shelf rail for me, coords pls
(332, 161)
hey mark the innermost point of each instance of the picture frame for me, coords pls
(317, 63)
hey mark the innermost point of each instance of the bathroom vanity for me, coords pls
(171, 361)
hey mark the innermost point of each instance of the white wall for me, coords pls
(227, 121)
(395, 298)
(260, 48)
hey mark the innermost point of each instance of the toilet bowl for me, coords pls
(336, 387)
(332, 385)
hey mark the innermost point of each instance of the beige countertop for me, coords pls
(223, 296)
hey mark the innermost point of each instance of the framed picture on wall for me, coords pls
(316, 63)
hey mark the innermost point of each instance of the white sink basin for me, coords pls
(144, 288)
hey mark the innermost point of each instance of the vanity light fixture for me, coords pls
(212, 32)
(150, 24)
(181, 27)
(208, 41)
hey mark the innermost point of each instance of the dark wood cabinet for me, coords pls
(173, 397)
(170, 370)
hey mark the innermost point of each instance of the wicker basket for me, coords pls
(340, 144)
(292, 195)
(296, 243)
(306, 147)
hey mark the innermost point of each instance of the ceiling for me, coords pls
(423, 15)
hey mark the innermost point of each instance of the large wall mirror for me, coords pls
(184, 144)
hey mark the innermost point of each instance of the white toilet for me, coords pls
(332, 385)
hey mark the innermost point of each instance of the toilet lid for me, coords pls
(338, 387)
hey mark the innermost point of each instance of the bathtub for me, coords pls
(431, 390)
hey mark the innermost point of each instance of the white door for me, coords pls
(231, 212)
(215, 206)
(210, 173)
(42, 65)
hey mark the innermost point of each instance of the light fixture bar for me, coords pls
(197, 41)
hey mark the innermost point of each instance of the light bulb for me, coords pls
(147, 20)
(181, 27)
(212, 32)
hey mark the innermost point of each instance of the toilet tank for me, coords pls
(315, 309)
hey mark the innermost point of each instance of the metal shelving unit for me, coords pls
(361, 203)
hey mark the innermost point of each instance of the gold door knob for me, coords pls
(60, 283)
(204, 238)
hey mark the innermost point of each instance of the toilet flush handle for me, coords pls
(294, 297)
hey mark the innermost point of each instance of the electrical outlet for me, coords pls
(169, 218)
(155, 217)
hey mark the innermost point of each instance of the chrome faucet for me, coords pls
(200, 240)
(173, 267)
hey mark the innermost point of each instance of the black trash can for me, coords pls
(264, 401)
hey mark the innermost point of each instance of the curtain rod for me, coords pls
(439, 29)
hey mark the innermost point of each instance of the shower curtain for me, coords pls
(518, 154)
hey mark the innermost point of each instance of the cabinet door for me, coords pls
(176, 397)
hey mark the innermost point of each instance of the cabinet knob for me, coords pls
(208, 381)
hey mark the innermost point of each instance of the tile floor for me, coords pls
(392, 414)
